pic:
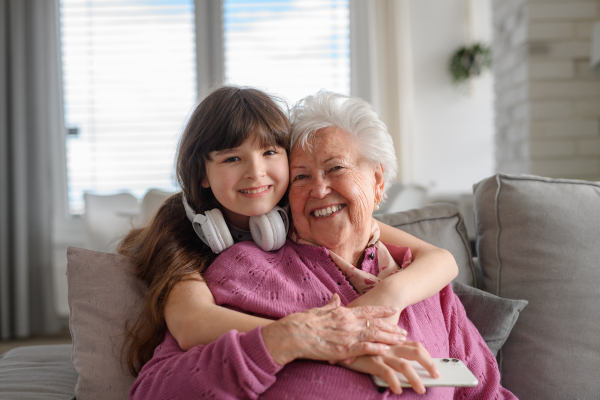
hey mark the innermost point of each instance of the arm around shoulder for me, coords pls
(431, 270)
(194, 319)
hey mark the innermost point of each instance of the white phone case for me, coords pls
(453, 372)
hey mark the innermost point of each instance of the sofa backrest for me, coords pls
(440, 225)
(538, 239)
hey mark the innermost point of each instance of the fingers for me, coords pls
(334, 302)
(334, 332)
(376, 336)
(366, 348)
(391, 378)
(375, 365)
(380, 331)
(404, 367)
(383, 326)
(416, 351)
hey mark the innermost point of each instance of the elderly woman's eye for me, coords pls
(299, 177)
(336, 168)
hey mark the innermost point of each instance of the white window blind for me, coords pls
(129, 78)
(291, 48)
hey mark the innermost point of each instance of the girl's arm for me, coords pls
(193, 318)
(431, 270)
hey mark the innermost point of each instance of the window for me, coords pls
(129, 77)
(291, 48)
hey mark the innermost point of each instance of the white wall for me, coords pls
(453, 138)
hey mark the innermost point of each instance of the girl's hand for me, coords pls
(386, 365)
(332, 332)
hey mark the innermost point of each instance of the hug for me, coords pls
(268, 276)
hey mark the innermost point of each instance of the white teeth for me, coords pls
(326, 212)
(254, 191)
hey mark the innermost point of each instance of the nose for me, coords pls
(255, 169)
(319, 187)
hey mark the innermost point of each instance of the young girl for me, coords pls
(232, 157)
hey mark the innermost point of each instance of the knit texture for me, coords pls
(296, 278)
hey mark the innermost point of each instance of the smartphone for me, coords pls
(453, 372)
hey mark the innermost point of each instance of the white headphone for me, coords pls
(269, 230)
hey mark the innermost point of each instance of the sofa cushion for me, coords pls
(103, 294)
(538, 239)
(442, 226)
(37, 373)
(493, 316)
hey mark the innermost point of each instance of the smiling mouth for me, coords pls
(255, 191)
(326, 212)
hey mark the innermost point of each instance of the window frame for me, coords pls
(69, 228)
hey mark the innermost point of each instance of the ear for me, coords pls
(205, 183)
(379, 183)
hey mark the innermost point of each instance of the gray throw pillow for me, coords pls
(538, 239)
(440, 225)
(103, 295)
(493, 316)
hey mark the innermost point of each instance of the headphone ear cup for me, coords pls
(262, 232)
(280, 222)
(216, 227)
(269, 230)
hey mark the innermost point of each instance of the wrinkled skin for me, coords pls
(332, 332)
(332, 172)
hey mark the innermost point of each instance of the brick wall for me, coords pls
(547, 100)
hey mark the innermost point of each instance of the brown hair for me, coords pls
(168, 251)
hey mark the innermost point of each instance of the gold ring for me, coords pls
(368, 324)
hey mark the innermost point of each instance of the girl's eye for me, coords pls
(231, 159)
(269, 153)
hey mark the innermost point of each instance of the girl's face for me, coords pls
(247, 180)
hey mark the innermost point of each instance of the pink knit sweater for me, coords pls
(296, 278)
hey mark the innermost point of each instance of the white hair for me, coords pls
(353, 115)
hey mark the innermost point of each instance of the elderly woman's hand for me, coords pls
(395, 359)
(332, 332)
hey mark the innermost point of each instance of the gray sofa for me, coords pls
(538, 240)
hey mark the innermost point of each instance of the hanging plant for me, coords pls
(469, 61)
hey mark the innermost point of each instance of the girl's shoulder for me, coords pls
(245, 260)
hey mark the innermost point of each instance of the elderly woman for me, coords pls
(338, 176)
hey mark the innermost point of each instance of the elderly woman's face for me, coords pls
(333, 189)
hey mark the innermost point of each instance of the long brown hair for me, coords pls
(168, 251)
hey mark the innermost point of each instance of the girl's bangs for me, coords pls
(267, 121)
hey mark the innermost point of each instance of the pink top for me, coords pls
(296, 278)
